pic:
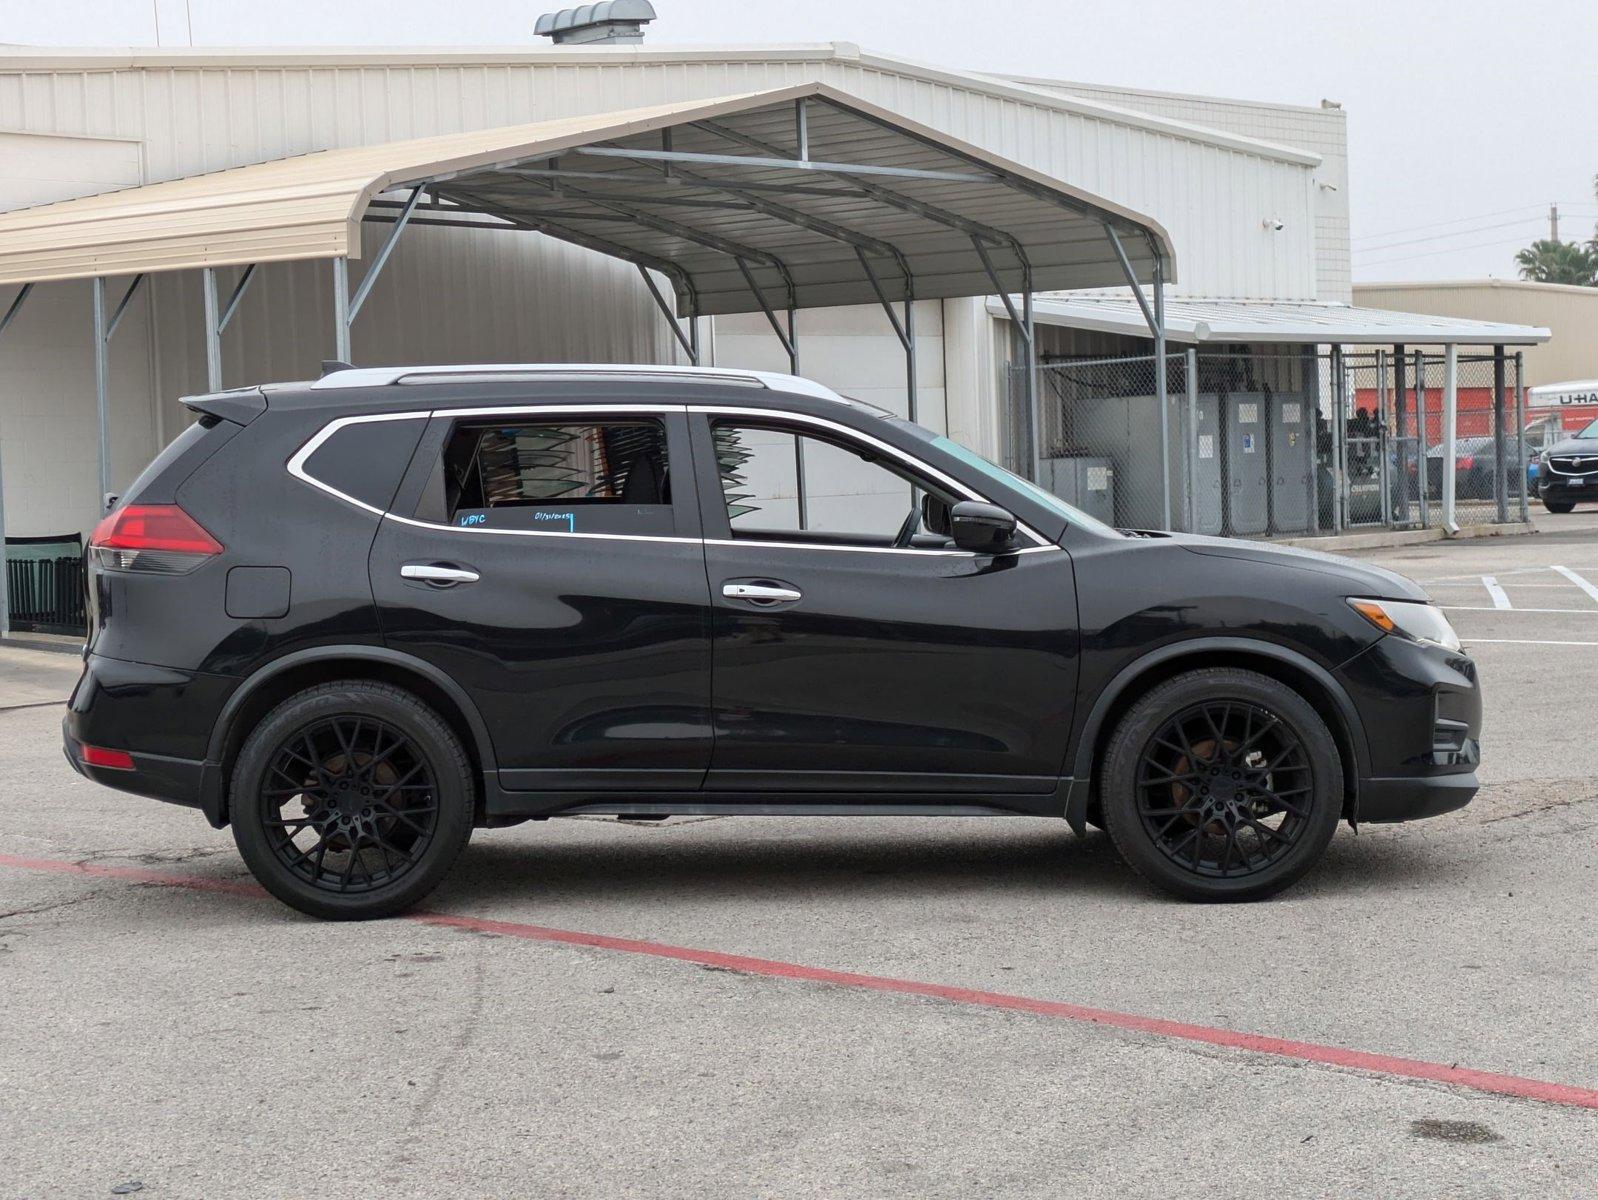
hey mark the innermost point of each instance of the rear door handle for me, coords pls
(439, 574)
(762, 593)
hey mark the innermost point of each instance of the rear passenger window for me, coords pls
(556, 476)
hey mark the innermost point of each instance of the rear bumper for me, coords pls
(162, 718)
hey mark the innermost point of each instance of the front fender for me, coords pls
(1203, 648)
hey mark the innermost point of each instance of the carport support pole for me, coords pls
(910, 354)
(101, 383)
(1033, 416)
(1162, 397)
(1192, 439)
(1520, 432)
(1401, 448)
(341, 309)
(1450, 433)
(1501, 442)
(213, 338)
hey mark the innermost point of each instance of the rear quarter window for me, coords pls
(365, 460)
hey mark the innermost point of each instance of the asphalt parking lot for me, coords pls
(832, 1007)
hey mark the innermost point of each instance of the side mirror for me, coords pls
(982, 528)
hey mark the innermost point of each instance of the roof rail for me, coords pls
(365, 377)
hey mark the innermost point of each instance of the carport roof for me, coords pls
(1298, 322)
(719, 195)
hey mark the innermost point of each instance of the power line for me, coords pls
(1444, 250)
(1438, 237)
(1456, 221)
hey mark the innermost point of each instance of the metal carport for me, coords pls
(770, 202)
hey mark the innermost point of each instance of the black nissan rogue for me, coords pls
(359, 617)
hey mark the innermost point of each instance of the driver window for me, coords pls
(782, 485)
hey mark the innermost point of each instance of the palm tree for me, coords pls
(1548, 261)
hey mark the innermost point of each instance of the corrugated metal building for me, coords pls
(1252, 199)
(1571, 313)
(78, 122)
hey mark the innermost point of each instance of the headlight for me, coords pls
(1417, 621)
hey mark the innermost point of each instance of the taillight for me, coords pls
(1465, 464)
(159, 538)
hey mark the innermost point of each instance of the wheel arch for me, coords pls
(283, 677)
(1312, 681)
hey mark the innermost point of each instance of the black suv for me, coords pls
(1567, 471)
(358, 617)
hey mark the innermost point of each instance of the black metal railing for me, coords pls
(47, 594)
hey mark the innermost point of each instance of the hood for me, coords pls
(1360, 579)
(1579, 447)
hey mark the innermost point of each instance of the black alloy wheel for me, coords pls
(1221, 784)
(351, 800)
(353, 803)
(1224, 788)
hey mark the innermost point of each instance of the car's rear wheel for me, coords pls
(351, 800)
(1222, 784)
(1559, 506)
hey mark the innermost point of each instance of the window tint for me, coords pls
(555, 476)
(782, 485)
(366, 459)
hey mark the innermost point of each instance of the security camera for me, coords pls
(1273, 224)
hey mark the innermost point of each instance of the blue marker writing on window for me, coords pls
(568, 517)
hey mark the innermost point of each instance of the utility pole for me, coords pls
(1553, 222)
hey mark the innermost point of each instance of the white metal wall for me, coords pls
(1322, 131)
(455, 295)
(214, 110)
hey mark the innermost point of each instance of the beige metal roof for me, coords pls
(1259, 321)
(797, 228)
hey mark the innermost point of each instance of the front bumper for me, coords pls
(1421, 711)
(1563, 488)
(161, 717)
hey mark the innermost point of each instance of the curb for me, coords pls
(1384, 538)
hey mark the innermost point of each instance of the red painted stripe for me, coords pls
(1333, 1056)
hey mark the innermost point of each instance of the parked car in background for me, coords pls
(360, 617)
(1476, 468)
(1567, 471)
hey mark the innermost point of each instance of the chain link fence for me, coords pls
(1287, 443)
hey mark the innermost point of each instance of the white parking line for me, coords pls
(1500, 597)
(1590, 588)
(1520, 642)
(1570, 612)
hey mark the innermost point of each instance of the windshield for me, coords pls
(1590, 432)
(997, 473)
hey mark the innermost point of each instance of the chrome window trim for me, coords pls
(296, 468)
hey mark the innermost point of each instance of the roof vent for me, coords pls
(610, 21)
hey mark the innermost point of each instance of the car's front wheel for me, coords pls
(1559, 506)
(351, 800)
(1222, 784)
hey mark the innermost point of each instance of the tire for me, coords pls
(351, 800)
(1187, 777)
(1560, 507)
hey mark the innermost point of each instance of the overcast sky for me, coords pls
(1466, 117)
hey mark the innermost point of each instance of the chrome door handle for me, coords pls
(761, 593)
(439, 573)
